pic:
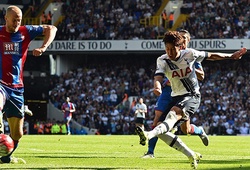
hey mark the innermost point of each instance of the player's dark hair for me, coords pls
(173, 37)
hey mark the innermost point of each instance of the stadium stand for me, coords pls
(206, 19)
(225, 96)
(106, 20)
(225, 91)
(217, 19)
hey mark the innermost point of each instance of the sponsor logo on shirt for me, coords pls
(11, 48)
(181, 72)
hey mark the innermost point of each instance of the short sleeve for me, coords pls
(34, 30)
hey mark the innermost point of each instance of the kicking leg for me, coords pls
(176, 143)
(172, 117)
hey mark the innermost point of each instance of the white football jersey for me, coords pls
(141, 107)
(181, 73)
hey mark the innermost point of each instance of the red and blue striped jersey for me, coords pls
(66, 107)
(13, 53)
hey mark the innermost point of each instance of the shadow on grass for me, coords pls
(236, 161)
(71, 168)
(237, 164)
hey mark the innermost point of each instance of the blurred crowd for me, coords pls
(217, 18)
(115, 20)
(224, 109)
(101, 92)
(107, 20)
(120, 20)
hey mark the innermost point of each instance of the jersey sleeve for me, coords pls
(34, 30)
(199, 55)
(136, 107)
(160, 66)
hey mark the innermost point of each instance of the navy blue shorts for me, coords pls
(14, 101)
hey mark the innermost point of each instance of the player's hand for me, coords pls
(157, 91)
(157, 88)
(238, 54)
(38, 51)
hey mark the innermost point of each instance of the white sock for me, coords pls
(160, 129)
(176, 143)
(165, 126)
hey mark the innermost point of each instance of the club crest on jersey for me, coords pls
(11, 48)
(181, 72)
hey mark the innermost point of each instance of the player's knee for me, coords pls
(171, 115)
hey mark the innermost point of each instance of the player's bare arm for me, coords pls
(49, 32)
(157, 85)
(200, 74)
(72, 110)
(222, 56)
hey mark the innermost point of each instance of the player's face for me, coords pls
(13, 21)
(141, 100)
(186, 39)
(67, 99)
(172, 51)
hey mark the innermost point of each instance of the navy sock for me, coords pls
(151, 145)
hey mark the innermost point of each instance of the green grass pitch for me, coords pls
(112, 152)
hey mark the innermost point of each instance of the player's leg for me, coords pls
(151, 147)
(68, 124)
(188, 128)
(172, 117)
(160, 105)
(14, 111)
(16, 132)
(2, 101)
(139, 123)
(175, 142)
(185, 106)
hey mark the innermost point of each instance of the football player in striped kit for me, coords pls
(163, 106)
(68, 108)
(178, 66)
(14, 43)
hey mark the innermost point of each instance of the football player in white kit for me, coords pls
(178, 66)
(140, 113)
(186, 127)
